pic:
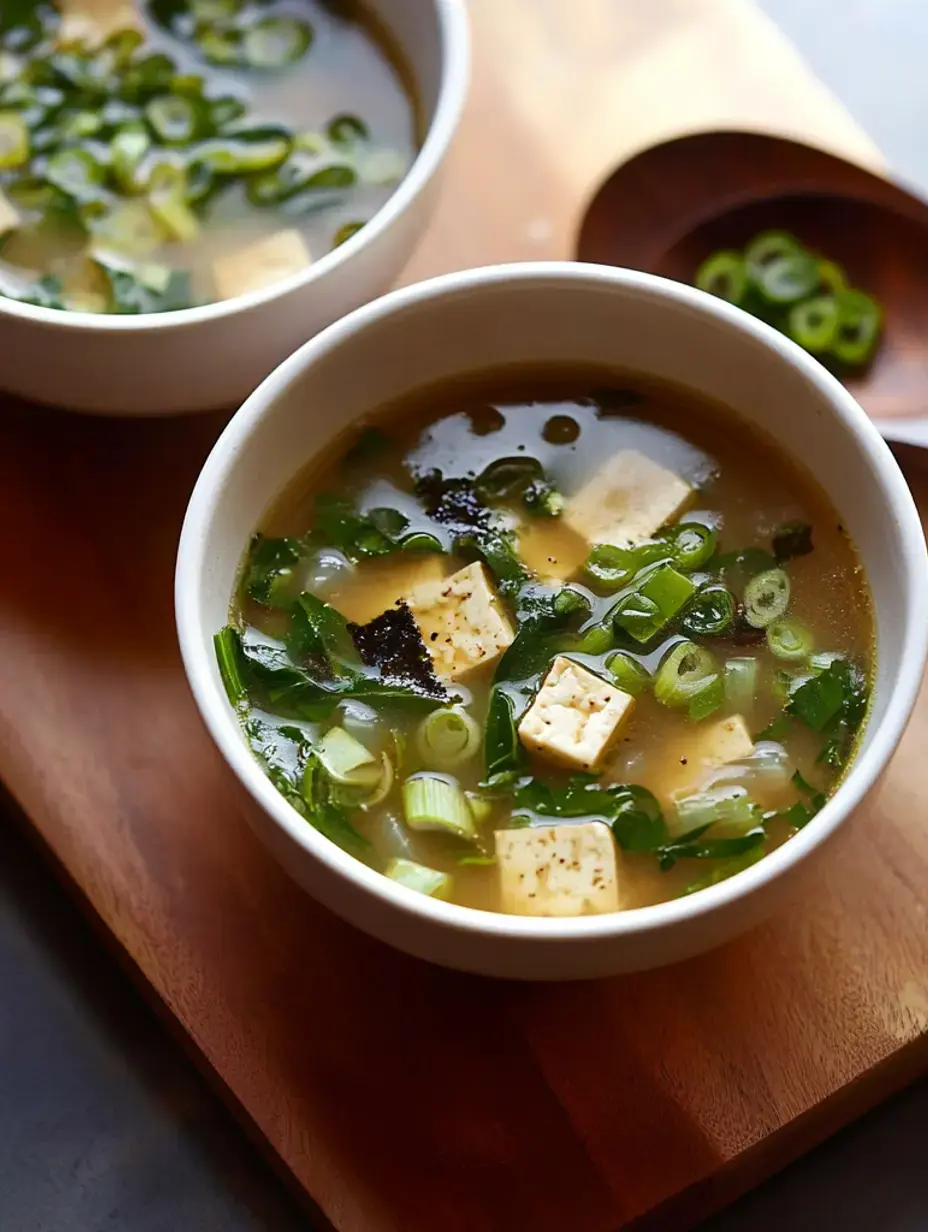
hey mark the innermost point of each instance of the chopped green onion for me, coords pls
(76, 173)
(345, 233)
(245, 152)
(831, 276)
(727, 805)
(707, 700)
(448, 737)
(175, 119)
(480, 806)
(129, 228)
(433, 803)
(276, 41)
(686, 672)
(225, 110)
(813, 323)
(768, 247)
(860, 320)
(788, 279)
(823, 659)
(611, 567)
(630, 675)
(595, 640)
(658, 599)
(724, 274)
(741, 684)
(14, 140)
(766, 598)
(711, 613)
(347, 130)
(789, 641)
(692, 545)
(128, 147)
(229, 658)
(167, 199)
(346, 760)
(420, 878)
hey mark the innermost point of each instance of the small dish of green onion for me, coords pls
(804, 295)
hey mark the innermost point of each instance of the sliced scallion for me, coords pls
(276, 41)
(726, 806)
(420, 878)
(741, 684)
(176, 119)
(434, 803)
(345, 233)
(766, 598)
(14, 140)
(789, 641)
(711, 613)
(630, 675)
(814, 323)
(788, 279)
(346, 760)
(685, 672)
(658, 599)
(77, 173)
(347, 130)
(167, 199)
(447, 738)
(692, 545)
(860, 320)
(725, 275)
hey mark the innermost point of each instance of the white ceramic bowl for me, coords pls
(478, 320)
(214, 356)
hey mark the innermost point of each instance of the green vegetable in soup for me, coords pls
(766, 598)
(724, 274)
(434, 803)
(654, 603)
(417, 877)
(447, 738)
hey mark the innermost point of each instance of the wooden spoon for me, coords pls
(671, 206)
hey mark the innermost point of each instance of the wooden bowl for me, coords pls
(667, 209)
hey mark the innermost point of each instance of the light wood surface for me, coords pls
(401, 1097)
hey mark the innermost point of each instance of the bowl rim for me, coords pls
(224, 727)
(454, 70)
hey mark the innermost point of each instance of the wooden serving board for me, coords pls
(400, 1097)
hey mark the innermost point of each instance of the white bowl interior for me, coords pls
(514, 315)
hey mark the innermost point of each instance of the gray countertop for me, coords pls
(106, 1125)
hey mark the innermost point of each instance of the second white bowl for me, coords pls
(202, 358)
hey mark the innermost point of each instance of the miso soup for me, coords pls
(157, 154)
(553, 645)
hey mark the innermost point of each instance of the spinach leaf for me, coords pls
(228, 650)
(270, 568)
(791, 540)
(320, 628)
(379, 532)
(502, 752)
(498, 550)
(837, 694)
(801, 813)
(632, 811)
(724, 870)
(745, 563)
(693, 845)
(542, 617)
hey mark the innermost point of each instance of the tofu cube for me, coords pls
(626, 501)
(704, 748)
(9, 215)
(558, 870)
(93, 21)
(575, 716)
(461, 621)
(261, 264)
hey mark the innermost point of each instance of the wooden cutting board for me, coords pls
(403, 1098)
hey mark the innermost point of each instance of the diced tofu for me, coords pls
(575, 716)
(704, 748)
(92, 21)
(260, 264)
(627, 500)
(9, 215)
(558, 870)
(461, 621)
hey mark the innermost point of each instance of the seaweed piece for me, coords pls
(452, 502)
(393, 643)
